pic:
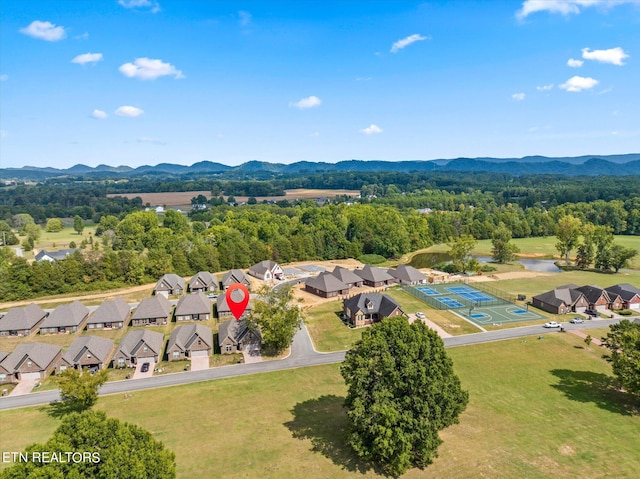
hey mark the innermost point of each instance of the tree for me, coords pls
(80, 388)
(620, 256)
(460, 252)
(623, 340)
(585, 254)
(175, 221)
(78, 224)
(117, 449)
(33, 231)
(402, 390)
(567, 233)
(53, 225)
(503, 251)
(603, 238)
(277, 316)
(7, 237)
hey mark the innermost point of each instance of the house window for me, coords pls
(91, 326)
(63, 368)
(120, 362)
(369, 305)
(199, 342)
(176, 354)
(145, 349)
(88, 355)
(29, 364)
(228, 348)
(3, 377)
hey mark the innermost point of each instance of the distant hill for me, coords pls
(590, 165)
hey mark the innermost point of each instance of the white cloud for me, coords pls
(565, 7)
(577, 83)
(129, 111)
(371, 130)
(4, 77)
(99, 114)
(153, 6)
(45, 31)
(309, 102)
(405, 42)
(615, 56)
(573, 63)
(149, 69)
(84, 36)
(545, 87)
(87, 58)
(244, 18)
(518, 96)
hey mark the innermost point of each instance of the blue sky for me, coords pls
(135, 82)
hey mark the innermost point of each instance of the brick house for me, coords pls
(87, 352)
(30, 361)
(138, 346)
(234, 336)
(193, 307)
(326, 285)
(152, 311)
(22, 321)
(189, 341)
(113, 314)
(67, 318)
(368, 308)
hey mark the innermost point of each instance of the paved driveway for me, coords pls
(251, 355)
(139, 374)
(24, 387)
(199, 363)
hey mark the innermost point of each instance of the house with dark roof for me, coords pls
(235, 276)
(138, 346)
(235, 336)
(22, 321)
(67, 318)
(596, 296)
(326, 285)
(406, 274)
(267, 270)
(114, 314)
(169, 285)
(193, 307)
(87, 352)
(190, 341)
(203, 282)
(347, 276)
(368, 308)
(222, 307)
(155, 310)
(374, 276)
(44, 255)
(629, 294)
(562, 300)
(30, 361)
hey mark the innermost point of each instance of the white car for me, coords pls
(551, 324)
(420, 315)
(577, 320)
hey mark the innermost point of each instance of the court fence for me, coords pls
(499, 298)
(495, 292)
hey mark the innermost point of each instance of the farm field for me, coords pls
(291, 423)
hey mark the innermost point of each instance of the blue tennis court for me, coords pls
(450, 302)
(428, 291)
(470, 294)
(519, 311)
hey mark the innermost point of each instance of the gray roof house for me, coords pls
(223, 309)
(136, 346)
(597, 296)
(630, 295)
(30, 361)
(405, 274)
(87, 352)
(193, 307)
(267, 270)
(67, 318)
(170, 284)
(235, 336)
(154, 310)
(189, 341)
(22, 321)
(347, 276)
(374, 276)
(113, 314)
(368, 308)
(235, 276)
(561, 300)
(326, 285)
(203, 281)
(44, 255)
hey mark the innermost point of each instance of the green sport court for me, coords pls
(484, 307)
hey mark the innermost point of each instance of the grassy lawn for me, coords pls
(538, 409)
(327, 330)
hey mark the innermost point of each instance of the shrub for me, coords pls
(371, 259)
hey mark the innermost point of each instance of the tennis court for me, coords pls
(499, 315)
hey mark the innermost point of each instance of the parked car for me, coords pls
(144, 368)
(212, 296)
(577, 320)
(420, 315)
(93, 369)
(592, 312)
(551, 324)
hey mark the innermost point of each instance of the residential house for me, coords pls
(87, 352)
(223, 309)
(562, 300)
(368, 308)
(374, 276)
(139, 346)
(190, 341)
(235, 336)
(169, 285)
(44, 255)
(193, 307)
(326, 285)
(405, 274)
(235, 276)
(347, 276)
(267, 270)
(203, 282)
(155, 310)
(596, 296)
(629, 294)
(33, 361)
(112, 314)
(67, 318)
(22, 321)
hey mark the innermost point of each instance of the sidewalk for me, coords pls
(580, 334)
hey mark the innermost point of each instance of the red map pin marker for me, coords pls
(237, 297)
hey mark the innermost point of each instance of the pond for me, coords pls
(429, 260)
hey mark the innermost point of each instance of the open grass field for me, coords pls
(538, 409)
(327, 330)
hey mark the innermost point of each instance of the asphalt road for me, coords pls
(302, 355)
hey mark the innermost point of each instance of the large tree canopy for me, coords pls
(623, 340)
(401, 391)
(80, 388)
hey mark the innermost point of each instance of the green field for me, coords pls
(538, 409)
